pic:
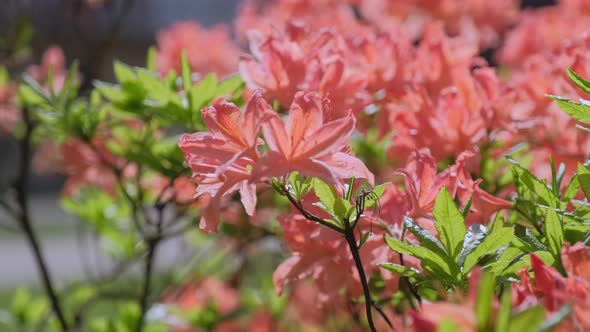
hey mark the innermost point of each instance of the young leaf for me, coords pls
(151, 59)
(430, 261)
(578, 80)
(203, 92)
(571, 190)
(532, 183)
(583, 177)
(555, 319)
(578, 111)
(449, 224)
(503, 317)
(326, 193)
(485, 297)
(402, 270)
(186, 73)
(426, 238)
(473, 238)
(554, 232)
(123, 72)
(498, 237)
(527, 320)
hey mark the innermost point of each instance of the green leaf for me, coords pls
(301, 185)
(123, 72)
(203, 92)
(503, 317)
(447, 325)
(533, 243)
(349, 187)
(230, 86)
(151, 59)
(554, 232)
(532, 183)
(375, 195)
(483, 304)
(4, 76)
(578, 111)
(364, 238)
(578, 80)
(467, 207)
(430, 261)
(572, 189)
(498, 237)
(473, 238)
(449, 224)
(583, 177)
(426, 238)
(326, 193)
(527, 320)
(186, 73)
(555, 319)
(402, 270)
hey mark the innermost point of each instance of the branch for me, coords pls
(153, 242)
(308, 215)
(350, 239)
(348, 233)
(21, 188)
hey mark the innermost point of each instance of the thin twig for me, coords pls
(310, 216)
(348, 233)
(21, 188)
(153, 242)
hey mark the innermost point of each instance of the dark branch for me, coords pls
(21, 188)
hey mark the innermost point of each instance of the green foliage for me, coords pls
(452, 258)
(548, 222)
(142, 93)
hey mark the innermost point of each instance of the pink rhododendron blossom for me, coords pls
(553, 290)
(9, 114)
(545, 29)
(200, 295)
(90, 165)
(222, 159)
(207, 50)
(263, 15)
(479, 21)
(541, 123)
(321, 254)
(309, 144)
(54, 62)
(423, 183)
(295, 59)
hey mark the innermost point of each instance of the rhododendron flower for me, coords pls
(85, 165)
(200, 295)
(309, 144)
(285, 62)
(222, 159)
(423, 183)
(322, 254)
(263, 15)
(544, 29)
(554, 290)
(53, 60)
(542, 124)
(207, 50)
(477, 21)
(9, 114)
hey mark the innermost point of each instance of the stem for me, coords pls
(350, 239)
(152, 243)
(147, 284)
(21, 188)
